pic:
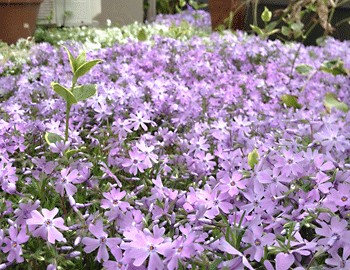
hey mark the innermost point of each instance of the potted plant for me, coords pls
(18, 19)
(220, 11)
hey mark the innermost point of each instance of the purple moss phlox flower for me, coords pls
(216, 200)
(238, 260)
(149, 155)
(340, 263)
(8, 178)
(254, 236)
(135, 162)
(108, 172)
(139, 120)
(182, 248)
(283, 261)
(13, 245)
(232, 185)
(289, 164)
(335, 234)
(64, 182)
(143, 245)
(59, 147)
(24, 212)
(341, 195)
(102, 242)
(114, 199)
(48, 224)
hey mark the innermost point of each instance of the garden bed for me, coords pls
(209, 152)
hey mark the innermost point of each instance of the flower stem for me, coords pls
(67, 121)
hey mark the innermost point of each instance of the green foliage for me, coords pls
(253, 158)
(52, 137)
(84, 92)
(63, 92)
(142, 35)
(291, 101)
(266, 15)
(334, 67)
(269, 28)
(303, 69)
(84, 68)
(80, 93)
(96, 38)
(330, 101)
(175, 6)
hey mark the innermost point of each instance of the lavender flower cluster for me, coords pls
(155, 174)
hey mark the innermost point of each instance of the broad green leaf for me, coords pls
(85, 68)
(253, 158)
(71, 152)
(334, 67)
(257, 30)
(71, 59)
(303, 69)
(83, 92)
(291, 101)
(178, 10)
(331, 101)
(321, 40)
(266, 15)
(52, 137)
(271, 26)
(81, 59)
(63, 92)
(286, 30)
(141, 36)
(182, 3)
(297, 26)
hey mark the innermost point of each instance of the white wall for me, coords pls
(121, 12)
(93, 12)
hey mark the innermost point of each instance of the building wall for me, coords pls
(45, 9)
(121, 12)
(93, 12)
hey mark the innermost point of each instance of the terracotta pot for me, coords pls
(18, 19)
(220, 10)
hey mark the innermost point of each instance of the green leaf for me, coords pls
(253, 158)
(271, 26)
(257, 30)
(85, 68)
(214, 264)
(71, 59)
(266, 15)
(297, 26)
(83, 92)
(178, 10)
(331, 101)
(81, 59)
(303, 69)
(291, 101)
(63, 92)
(71, 152)
(52, 137)
(182, 3)
(272, 32)
(334, 67)
(286, 30)
(141, 36)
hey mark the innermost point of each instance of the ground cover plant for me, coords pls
(218, 152)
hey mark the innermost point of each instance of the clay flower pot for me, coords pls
(220, 10)
(18, 19)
